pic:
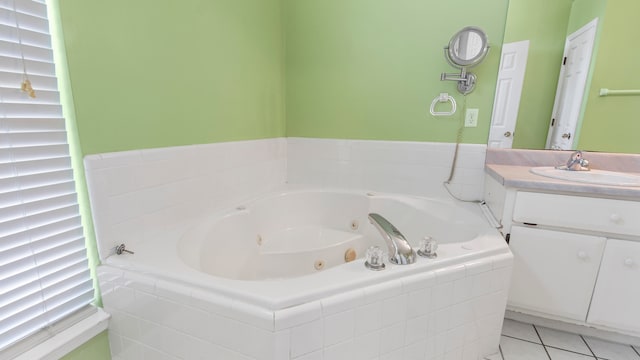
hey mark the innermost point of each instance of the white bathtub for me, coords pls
(275, 268)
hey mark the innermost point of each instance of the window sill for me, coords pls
(69, 339)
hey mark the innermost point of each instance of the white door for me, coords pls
(571, 87)
(513, 63)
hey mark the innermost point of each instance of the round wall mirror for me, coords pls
(467, 47)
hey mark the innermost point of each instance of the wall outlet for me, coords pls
(471, 118)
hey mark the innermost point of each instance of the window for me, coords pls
(44, 273)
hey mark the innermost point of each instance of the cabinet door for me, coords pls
(554, 272)
(616, 299)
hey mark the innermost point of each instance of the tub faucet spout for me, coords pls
(400, 252)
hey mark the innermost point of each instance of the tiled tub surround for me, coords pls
(137, 195)
(149, 198)
(454, 312)
(404, 167)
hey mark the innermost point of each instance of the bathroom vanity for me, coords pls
(576, 247)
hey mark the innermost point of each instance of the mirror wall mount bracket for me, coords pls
(466, 80)
(466, 49)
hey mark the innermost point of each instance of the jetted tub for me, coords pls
(290, 267)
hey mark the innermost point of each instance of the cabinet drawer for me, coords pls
(582, 213)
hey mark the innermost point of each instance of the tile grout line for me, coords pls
(525, 340)
(541, 342)
(574, 352)
(588, 347)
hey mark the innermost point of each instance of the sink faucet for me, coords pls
(575, 162)
(400, 252)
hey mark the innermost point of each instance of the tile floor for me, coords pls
(522, 341)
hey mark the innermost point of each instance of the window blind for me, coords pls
(44, 273)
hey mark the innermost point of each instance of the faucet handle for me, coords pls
(428, 247)
(374, 258)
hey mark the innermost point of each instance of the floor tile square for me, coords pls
(563, 340)
(557, 354)
(520, 330)
(514, 349)
(612, 351)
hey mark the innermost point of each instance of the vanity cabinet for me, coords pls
(576, 256)
(554, 272)
(616, 298)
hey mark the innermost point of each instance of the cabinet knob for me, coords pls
(615, 218)
(628, 262)
(582, 255)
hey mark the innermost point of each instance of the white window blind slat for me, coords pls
(33, 8)
(43, 233)
(28, 52)
(9, 33)
(25, 124)
(31, 139)
(30, 284)
(39, 82)
(44, 273)
(45, 97)
(14, 65)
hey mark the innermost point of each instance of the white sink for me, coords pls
(600, 177)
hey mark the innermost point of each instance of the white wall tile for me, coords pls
(393, 337)
(394, 310)
(339, 327)
(368, 318)
(306, 338)
(297, 315)
(450, 273)
(415, 351)
(316, 355)
(367, 346)
(416, 329)
(442, 295)
(342, 351)
(342, 302)
(418, 303)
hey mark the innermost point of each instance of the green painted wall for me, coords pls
(94, 349)
(611, 123)
(150, 73)
(544, 24)
(369, 69)
(583, 11)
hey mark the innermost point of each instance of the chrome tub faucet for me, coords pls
(400, 252)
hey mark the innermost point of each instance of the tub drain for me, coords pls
(319, 264)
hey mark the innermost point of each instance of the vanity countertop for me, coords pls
(520, 177)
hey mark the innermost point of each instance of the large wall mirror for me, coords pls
(610, 123)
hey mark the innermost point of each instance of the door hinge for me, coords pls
(564, 61)
(553, 122)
